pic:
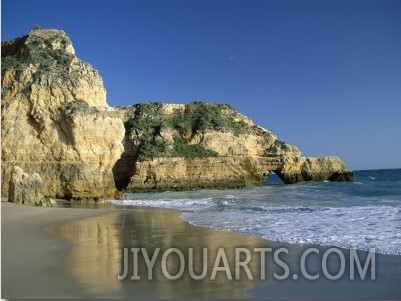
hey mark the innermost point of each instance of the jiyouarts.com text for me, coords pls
(256, 263)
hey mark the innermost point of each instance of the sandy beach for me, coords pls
(31, 258)
(78, 253)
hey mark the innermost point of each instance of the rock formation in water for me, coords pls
(203, 145)
(56, 122)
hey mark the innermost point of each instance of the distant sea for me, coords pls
(363, 214)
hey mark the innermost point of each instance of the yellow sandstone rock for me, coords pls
(55, 119)
(56, 123)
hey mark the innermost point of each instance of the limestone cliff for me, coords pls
(25, 189)
(173, 146)
(55, 120)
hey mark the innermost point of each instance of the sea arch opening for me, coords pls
(274, 178)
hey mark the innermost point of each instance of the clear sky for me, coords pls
(322, 75)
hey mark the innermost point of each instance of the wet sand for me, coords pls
(31, 259)
(78, 253)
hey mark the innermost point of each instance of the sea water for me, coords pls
(363, 214)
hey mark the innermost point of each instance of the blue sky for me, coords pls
(323, 75)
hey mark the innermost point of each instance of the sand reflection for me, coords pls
(95, 259)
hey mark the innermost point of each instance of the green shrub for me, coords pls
(41, 53)
(182, 149)
(11, 62)
(200, 116)
(47, 58)
(180, 122)
(151, 149)
(76, 106)
(278, 144)
(147, 122)
(146, 118)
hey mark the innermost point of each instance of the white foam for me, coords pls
(361, 227)
(180, 204)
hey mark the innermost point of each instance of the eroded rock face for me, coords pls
(214, 172)
(25, 189)
(55, 119)
(56, 122)
(203, 145)
(315, 169)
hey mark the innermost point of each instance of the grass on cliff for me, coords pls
(148, 121)
(48, 59)
(200, 116)
(278, 144)
(11, 62)
(73, 108)
(41, 53)
(145, 124)
(10, 59)
(76, 106)
(182, 149)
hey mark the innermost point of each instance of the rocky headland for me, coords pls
(57, 125)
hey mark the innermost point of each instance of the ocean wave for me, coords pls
(180, 204)
(361, 227)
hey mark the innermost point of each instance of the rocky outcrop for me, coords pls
(203, 145)
(181, 173)
(56, 122)
(55, 119)
(25, 189)
(315, 169)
